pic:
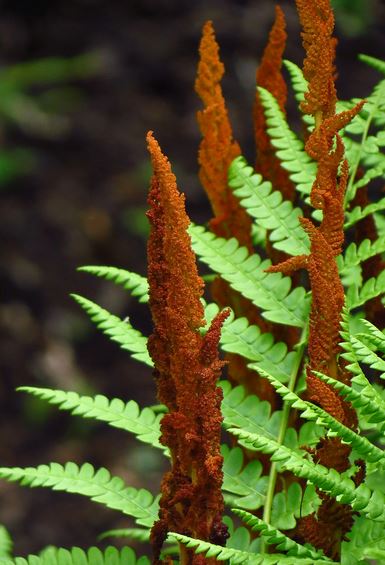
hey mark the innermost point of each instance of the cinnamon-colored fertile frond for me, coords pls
(327, 302)
(218, 148)
(317, 20)
(269, 76)
(186, 369)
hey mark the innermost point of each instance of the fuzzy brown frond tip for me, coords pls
(218, 148)
(269, 76)
(186, 368)
(317, 20)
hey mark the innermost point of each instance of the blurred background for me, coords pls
(81, 82)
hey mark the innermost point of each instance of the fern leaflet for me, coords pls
(246, 274)
(77, 556)
(275, 537)
(245, 482)
(354, 255)
(144, 424)
(242, 338)
(98, 485)
(136, 284)
(237, 556)
(362, 499)
(118, 330)
(290, 150)
(371, 288)
(6, 543)
(268, 208)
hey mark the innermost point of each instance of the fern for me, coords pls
(268, 208)
(365, 448)
(362, 499)
(242, 338)
(298, 82)
(291, 504)
(366, 400)
(136, 534)
(367, 356)
(248, 412)
(246, 274)
(136, 284)
(377, 64)
(354, 255)
(144, 424)
(273, 536)
(6, 543)
(290, 149)
(373, 287)
(236, 556)
(244, 481)
(375, 336)
(98, 485)
(374, 103)
(77, 556)
(366, 541)
(287, 484)
(358, 213)
(118, 330)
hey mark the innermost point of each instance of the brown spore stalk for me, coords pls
(269, 76)
(218, 147)
(186, 371)
(328, 527)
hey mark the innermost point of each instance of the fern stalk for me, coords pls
(282, 430)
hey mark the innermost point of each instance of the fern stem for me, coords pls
(282, 430)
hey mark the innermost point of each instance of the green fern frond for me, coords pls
(77, 556)
(240, 538)
(97, 485)
(291, 504)
(136, 534)
(290, 150)
(375, 336)
(362, 499)
(373, 287)
(373, 62)
(367, 356)
(136, 284)
(358, 213)
(248, 412)
(354, 255)
(314, 413)
(273, 536)
(366, 540)
(298, 82)
(366, 401)
(363, 151)
(236, 556)
(242, 338)
(6, 543)
(120, 331)
(144, 424)
(268, 208)
(244, 481)
(246, 274)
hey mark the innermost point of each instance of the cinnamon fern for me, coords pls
(299, 477)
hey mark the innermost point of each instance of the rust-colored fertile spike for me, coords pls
(186, 370)
(269, 76)
(327, 528)
(317, 20)
(218, 148)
